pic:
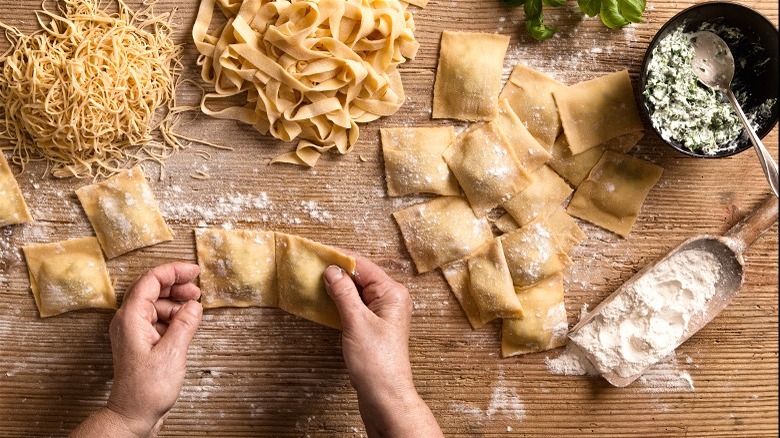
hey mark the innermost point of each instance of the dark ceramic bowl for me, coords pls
(757, 76)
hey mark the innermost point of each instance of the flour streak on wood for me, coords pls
(261, 372)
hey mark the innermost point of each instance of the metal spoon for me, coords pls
(728, 249)
(713, 64)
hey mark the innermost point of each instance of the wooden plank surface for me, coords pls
(261, 372)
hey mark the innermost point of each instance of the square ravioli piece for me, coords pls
(300, 264)
(69, 275)
(544, 325)
(441, 231)
(568, 234)
(597, 110)
(530, 94)
(531, 154)
(124, 213)
(546, 193)
(13, 209)
(468, 77)
(483, 286)
(237, 268)
(614, 192)
(413, 161)
(486, 167)
(575, 168)
(533, 253)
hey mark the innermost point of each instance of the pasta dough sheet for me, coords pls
(69, 275)
(414, 163)
(540, 199)
(486, 167)
(544, 325)
(124, 213)
(300, 264)
(559, 223)
(614, 192)
(441, 231)
(597, 110)
(468, 77)
(237, 268)
(575, 168)
(530, 94)
(531, 154)
(533, 253)
(13, 209)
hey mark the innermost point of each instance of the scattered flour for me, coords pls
(646, 322)
(504, 402)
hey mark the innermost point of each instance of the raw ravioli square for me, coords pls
(441, 231)
(544, 325)
(237, 268)
(597, 110)
(124, 213)
(614, 192)
(13, 209)
(530, 93)
(486, 168)
(546, 193)
(69, 275)
(468, 77)
(531, 154)
(300, 264)
(413, 161)
(534, 253)
(575, 168)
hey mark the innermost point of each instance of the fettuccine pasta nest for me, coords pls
(83, 92)
(309, 69)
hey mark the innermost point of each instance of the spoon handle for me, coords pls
(750, 228)
(767, 162)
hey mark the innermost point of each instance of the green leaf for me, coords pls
(554, 3)
(591, 8)
(618, 13)
(533, 10)
(537, 29)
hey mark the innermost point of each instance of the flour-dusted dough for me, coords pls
(544, 325)
(533, 253)
(468, 78)
(528, 150)
(124, 213)
(597, 110)
(300, 264)
(529, 92)
(565, 229)
(506, 223)
(546, 193)
(441, 231)
(614, 192)
(575, 168)
(457, 276)
(414, 163)
(13, 209)
(486, 168)
(237, 268)
(69, 275)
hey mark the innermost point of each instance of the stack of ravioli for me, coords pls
(532, 145)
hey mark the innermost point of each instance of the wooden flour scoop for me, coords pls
(728, 250)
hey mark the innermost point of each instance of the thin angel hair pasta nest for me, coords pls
(308, 69)
(83, 92)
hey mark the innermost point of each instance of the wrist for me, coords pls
(135, 426)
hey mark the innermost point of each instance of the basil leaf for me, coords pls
(533, 10)
(591, 8)
(539, 31)
(618, 13)
(554, 3)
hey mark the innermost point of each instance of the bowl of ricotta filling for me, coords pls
(693, 118)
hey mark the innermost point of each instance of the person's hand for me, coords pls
(150, 336)
(375, 342)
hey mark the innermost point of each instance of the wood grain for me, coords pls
(261, 372)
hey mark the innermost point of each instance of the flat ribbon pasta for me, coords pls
(310, 70)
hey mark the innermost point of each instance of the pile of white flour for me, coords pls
(647, 321)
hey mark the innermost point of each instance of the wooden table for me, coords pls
(261, 372)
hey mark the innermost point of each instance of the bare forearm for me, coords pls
(397, 414)
(103, 423)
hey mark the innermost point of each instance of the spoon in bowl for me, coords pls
(713, 64)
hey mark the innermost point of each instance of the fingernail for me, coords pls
(333, 274)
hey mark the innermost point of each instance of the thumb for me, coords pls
(343, 292)
(182, 328)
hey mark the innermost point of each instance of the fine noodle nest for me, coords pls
(82, 92)
(309, 70)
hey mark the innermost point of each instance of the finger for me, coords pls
(182, 292)
(166, 309)
(161, 328)
(181, 329)
(367, 273)
(150, 285)
(344, 294)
